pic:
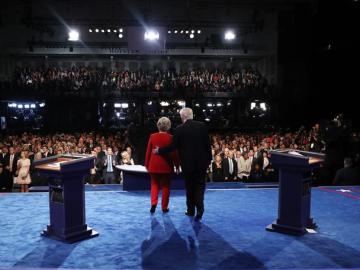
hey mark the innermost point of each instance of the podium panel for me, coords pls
(294, 205)
(65, 176)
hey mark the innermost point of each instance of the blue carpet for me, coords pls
(231, 236)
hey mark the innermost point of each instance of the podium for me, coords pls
(294, 190)
(65, 175)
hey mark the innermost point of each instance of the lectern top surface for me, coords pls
(314, 160)
(54, 165)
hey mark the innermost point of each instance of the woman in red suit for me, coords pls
(160, 167)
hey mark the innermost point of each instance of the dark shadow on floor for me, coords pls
(47, 253)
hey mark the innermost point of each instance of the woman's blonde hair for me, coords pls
(164, 124)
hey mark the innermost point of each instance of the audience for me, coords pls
(82, 78)
(349, 175)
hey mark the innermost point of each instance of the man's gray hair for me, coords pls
(164, 124)
(186, 114)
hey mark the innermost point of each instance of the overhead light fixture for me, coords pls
(102, 31)
(20, 106)
(192, 31)
(114, 30)
(169, 32)
(90, 30)
(191, 35)
(108, 30)
(263, 106)
(121, 35)
(175, 31)
(73, 35)
(120, 30)
(181, 103)
(27, 106)
(199, 31)
(151, 35)
(182, 31)
(252, 105)
(42, 105)
(33, 106)
(164, 103)
(97, 30)
(209, 105)
(229, 35)
(117, 105)
(124, 105)
(149, 103)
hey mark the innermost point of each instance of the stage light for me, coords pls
(151, 35)
(181, 103)
(192, 31)
(186, 32)
(191, 35)
(121, 35)
(12, 105)
(175, 31)
(182, 31)
(207, 119)
(219, 104)
(20, 106)
(199, 31)
(149, 103)
(118, 114)
(108, 30)
(42, 105)
(229, 103)
(209, 105)
(73, 35)
(263, 106)
(169, 32)
(90, 30)
(97, 30)
(27, 106)
(197, 105)
(117, 105)
(102, 31)
(120, 30)
(252, 105)
(164, 103)
(229, 35)
(114, 30)
(124, 105)
(104, 104)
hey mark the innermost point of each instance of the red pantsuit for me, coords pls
(160, 167)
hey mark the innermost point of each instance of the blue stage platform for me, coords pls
(231, 236)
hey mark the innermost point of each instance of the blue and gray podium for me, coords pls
(65, 174)
(294, 190)
(136, 177)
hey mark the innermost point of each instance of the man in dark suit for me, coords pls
(348, 175)
(11, 160)
(191, 140)
(229, 167)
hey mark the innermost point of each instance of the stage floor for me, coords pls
(231, 236)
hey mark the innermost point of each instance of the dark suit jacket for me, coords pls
(14, 165)
(347, 177)
(192, 141)
(225, 164)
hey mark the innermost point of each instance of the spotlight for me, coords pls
(191, 35)
(181, 103)
(207, 119)
(90, 30)
(151, 35)
(186, 32)
(149, 103)
(209, 105)
(120, 30)
(197, 105)
(42, 105)
(192, 31)
(169, 32)
(117, 105)
(263, 106)
(199, 31)
(27, 106)
(219, 104)
(104, 104)
(175, 31)
(97, 30)
(124, 105)
(102, 31)
(229, 35)
(252, 105)
(164, 103)
(182, 31)
(73, 35)
(114, 30)
(20, 106)
(120, 35)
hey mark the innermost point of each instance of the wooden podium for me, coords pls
(65, 175)
(294, 190)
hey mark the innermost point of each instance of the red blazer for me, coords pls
(155, 163)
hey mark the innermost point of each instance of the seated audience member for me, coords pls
(230, 167)
(125, 159)
(256, 175)
(217, 169)
(349, 175)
